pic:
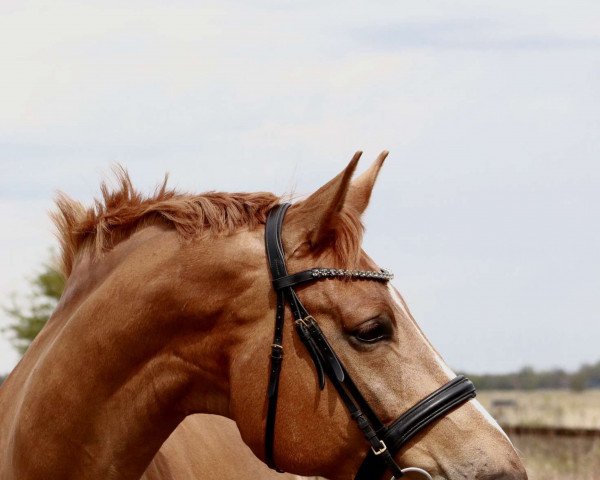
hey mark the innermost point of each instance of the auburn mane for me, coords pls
(123, 209)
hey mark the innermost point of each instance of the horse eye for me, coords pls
(373, 331)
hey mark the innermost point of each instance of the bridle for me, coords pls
(384, 440)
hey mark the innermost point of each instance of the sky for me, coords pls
(487, 208)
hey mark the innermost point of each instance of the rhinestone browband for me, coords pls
(382, 275)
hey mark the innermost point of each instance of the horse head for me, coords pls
(168, 311)
(372, 330)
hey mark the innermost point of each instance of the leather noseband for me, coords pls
(385, 441)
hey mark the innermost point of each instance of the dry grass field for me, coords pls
(551, 457)
(552, 408)
(559, 458)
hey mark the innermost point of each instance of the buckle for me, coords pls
(303, 322)
(307, 321)
(276, 351)
(381, 450)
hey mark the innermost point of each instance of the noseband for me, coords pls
(385, 441)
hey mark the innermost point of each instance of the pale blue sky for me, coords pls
(487, 209)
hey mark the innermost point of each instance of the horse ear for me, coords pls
(314, 218)
(360, 190)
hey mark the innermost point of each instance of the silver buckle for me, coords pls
(305, 321)
(381, 450)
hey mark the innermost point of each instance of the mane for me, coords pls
(123, 210)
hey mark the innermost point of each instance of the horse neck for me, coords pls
(110, 377)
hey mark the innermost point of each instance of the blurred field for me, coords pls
(554, 408)
(564, 458)
(551, 457)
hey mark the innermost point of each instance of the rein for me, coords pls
(385, 441)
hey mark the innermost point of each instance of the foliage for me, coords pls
(29, 316)
(588, 376)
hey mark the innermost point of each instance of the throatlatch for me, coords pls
(385, 441)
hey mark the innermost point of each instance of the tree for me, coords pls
(29, 316)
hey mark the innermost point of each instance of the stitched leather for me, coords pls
(325, 349)
(411, 422)
(276, 260)
(277, 265)
(293, 279)
(436, 404)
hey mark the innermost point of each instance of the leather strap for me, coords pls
(275, 257)
(276, 260)
(438, 403)
(411, 422)
(294, 279)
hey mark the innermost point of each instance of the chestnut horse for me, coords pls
(168, 311)
(209, 447)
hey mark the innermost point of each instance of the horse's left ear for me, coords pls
(360, 189)
(313, 220)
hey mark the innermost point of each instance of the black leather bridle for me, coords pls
(384, 440)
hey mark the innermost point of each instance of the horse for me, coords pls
(168, 311)
(206, 447)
